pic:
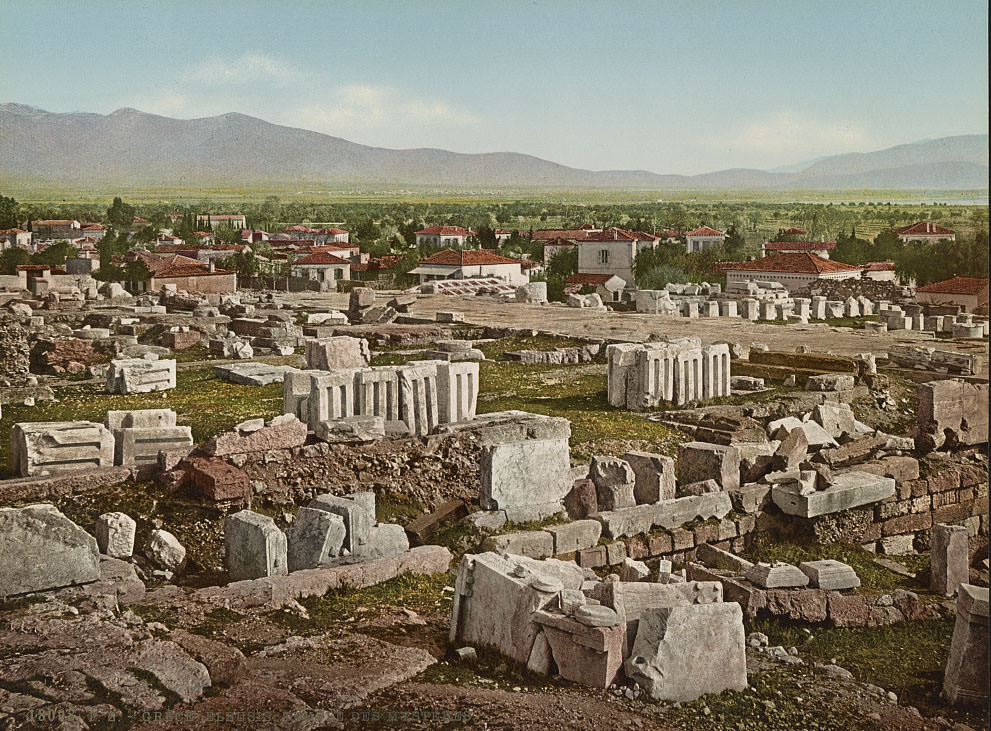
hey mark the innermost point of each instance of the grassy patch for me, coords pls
(512, 527)
(577, 395)
(202, 401)
(873, 578)
(337, 609)
(907, 657)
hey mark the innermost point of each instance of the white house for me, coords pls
(926, 232)
(470, 264)
(795, 272)
(318, 235)
(443, 236)
(11, 237)
(817, 248)
(879, 271)
(321, 267)
(555, 246)
(613, 251)
(703, 237)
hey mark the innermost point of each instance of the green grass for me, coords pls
(907, 657)
(873, 578)
(202, 401)
(337, 609)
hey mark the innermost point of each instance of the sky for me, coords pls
(671, 86)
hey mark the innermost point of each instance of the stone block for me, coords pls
(699, 461)
(530, 472)
(615, 553)
(41, 549)
(633, 570)
(218, 480)
(776, 576)
(949, 558)
(708, 639)
(336, 353)
(165, 551)
(384, 540)
(115, 534)
(139, 375)
(315, 539)
(592, 558)
(848, 490)
(830, 575)
(574, 536)
(420, 529)
(965, 680)
(654, 476)
(282, 432)
(582, 501)
(44, 448)
(254, 547)
(953, 410)
(614, 481)
(358, 520)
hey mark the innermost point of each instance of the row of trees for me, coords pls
(920, 261)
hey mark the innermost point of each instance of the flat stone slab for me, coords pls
(830, 575)
(776, 576)
(848, 490)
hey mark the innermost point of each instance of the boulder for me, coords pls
(115, 534)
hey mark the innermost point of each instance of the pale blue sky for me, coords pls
(670, 86)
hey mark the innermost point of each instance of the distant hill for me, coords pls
(129, 147)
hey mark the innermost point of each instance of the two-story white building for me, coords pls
(11, 237)
(703, 237)
(613, 252)
(443, 237)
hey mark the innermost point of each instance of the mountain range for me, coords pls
(130, 147)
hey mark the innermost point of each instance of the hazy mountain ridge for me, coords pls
(132, 147)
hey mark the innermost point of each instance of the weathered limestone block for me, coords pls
(534, 293)
(39, 448)
(776, 576)
(494, 600)
(966, 678)
(531, 543)
(457, 391)
(654, 476)
(384, 540)
(254, 546)
(336, 353)
(351, 430)
(836, 419)
(526, 473)
(140, 447)
(830, 575)
(417, 386)
(165, 551)
(115, 534)
(667, 514)
(358, 520)
(954, 411)
(683, 653)
(614, 482)
(138, 375)
(282, 432)
(574, 536)
(700, 461)
(588, 655)
(41, 549)
(949, 558)
(849, 489)
(315, 539)
(633, 570)
(296, 393)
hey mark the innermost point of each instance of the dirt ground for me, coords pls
(571, 322)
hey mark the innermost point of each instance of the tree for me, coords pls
(8, 212)
(227, 235)
(564, 263)
(56, 254)
(13, 258)
(120, 214)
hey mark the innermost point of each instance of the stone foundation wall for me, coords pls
(14, 361)
(869, 288)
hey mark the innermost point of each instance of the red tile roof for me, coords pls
(10, 231)
(956, 285)
(704, 231)
(794, 232)
(613, 234)
(139, 219)
(799, 263)
(591, 279)
(93, 227)
(444, 231)
(559, 242)
(377, 264)
(320, 257)
(55, 222)
(879, 266)
(667, 234)
(467, 257)
(924, 227)
(799, 245)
